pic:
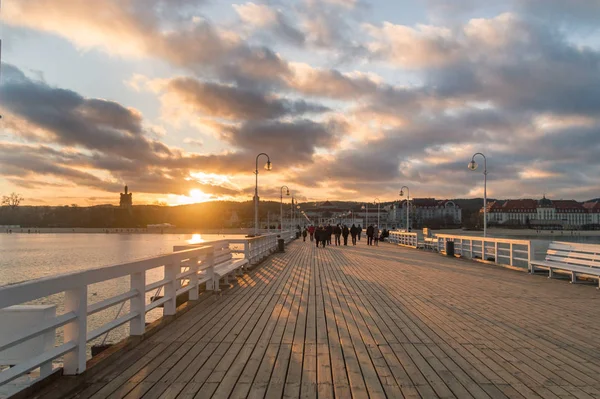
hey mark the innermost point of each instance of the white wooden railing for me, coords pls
(499, 250)
(404, 238)
(184, 271)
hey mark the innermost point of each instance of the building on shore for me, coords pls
(545, 214)
(126, 201)
(426, 212)
(328, 213)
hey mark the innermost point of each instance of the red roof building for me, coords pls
(544, 212)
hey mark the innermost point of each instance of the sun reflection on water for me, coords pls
(196, 239)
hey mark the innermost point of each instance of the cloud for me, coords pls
(73, 120)
(264, 17)
(194, 142)
(424, 46)
(93, 143)
(234, 103)
(293, 142)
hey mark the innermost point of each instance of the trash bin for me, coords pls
(281, 245)
(449, 248)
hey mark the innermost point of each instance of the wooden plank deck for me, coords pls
(371, 322)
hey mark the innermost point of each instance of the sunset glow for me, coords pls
(176, 99)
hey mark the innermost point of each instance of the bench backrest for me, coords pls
(574, 253)
(222, 253)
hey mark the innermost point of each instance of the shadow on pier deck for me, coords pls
(369, 322)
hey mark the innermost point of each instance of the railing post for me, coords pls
(76, 331)
(511, 253)
(193, 293)
(496, 252)
(210, 271)
(137, 326)
(529, 256)
(170, 306)
(247, 250)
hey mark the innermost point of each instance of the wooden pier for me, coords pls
(369, 322)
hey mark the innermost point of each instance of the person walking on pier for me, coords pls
(318, 235)
(376, 235)
(345, 233)
(370, 231)
(328, 234)
(304, 234)
(359, 231)
(353, 233)
(311, 231)
(325, 237)
(337, 231)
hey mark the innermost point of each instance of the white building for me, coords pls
(426, 212)
(545, 213)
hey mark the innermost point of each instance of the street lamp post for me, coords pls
(292, 215)
(267, 167)
(407, 205)
(281, 203)
(378, 203)
(366, 208)
(473, 165)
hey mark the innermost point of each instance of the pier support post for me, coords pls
(76, 331)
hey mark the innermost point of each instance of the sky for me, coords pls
(351, 99)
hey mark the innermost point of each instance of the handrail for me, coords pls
(404, 238)
(20, 293)
(505, 251)
(190, 265)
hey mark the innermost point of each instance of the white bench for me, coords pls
(223, 265)
(430, 243)
(571, 258)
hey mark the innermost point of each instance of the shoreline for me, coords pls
(492, 232)
(92, 230)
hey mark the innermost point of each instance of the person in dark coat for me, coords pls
(359, 231)
(353, 233)
(328, 233)
(325, 236)
(304, 234)
(337, 231)
(318, 234)
(370, 231)
(345, 233)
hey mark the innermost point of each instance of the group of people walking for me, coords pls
(323, 234)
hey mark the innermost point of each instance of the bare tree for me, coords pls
(13, 200)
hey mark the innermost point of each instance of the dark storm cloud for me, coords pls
(72, 120)
(24, 161)
(233, 103)
(293, 142)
